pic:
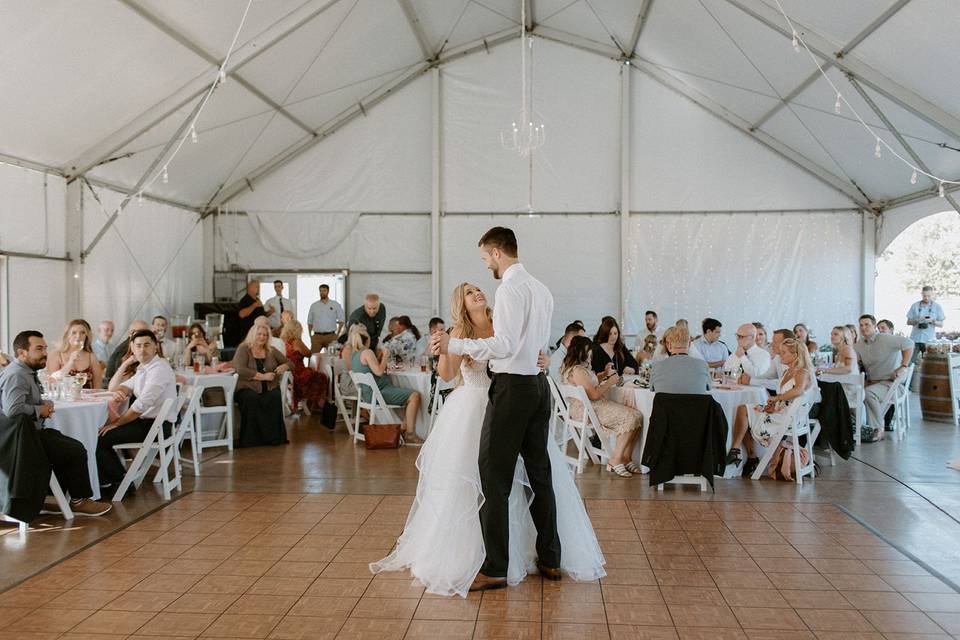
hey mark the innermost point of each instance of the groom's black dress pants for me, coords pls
(517, 422)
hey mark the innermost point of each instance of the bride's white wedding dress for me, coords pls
(442, 544)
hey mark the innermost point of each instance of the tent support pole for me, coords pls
(624, 188)
(435, 283)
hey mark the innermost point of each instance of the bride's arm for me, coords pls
(448, 365)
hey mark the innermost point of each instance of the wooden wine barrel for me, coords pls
(937, 395)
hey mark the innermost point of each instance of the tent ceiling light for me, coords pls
(526, 132)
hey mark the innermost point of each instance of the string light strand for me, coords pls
(798, 42)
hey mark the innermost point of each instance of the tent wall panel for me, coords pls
(778, 269)
(32, 211)
(150, 246)
(36, 297)
(576, 256)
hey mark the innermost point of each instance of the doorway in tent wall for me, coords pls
(303, 289)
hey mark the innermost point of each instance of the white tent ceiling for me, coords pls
(87, 82)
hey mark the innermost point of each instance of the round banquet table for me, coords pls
(81, 420)
(728, 399)
(418, 381)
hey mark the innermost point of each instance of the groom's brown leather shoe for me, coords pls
(548, 572)
(486, 583)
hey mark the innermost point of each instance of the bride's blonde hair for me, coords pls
(459, 317)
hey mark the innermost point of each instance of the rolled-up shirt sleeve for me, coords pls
(507, 330)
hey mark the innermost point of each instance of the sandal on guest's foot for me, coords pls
(733, 457)
(620, 470)
(412, 440)
(633, 468)
(751, 466)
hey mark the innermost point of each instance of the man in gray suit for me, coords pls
(680, 373)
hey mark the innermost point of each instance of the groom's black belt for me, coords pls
(516, 376)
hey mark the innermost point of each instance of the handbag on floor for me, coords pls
(781, 464)
(383, 436)
(328, 415)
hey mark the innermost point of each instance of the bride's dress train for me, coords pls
(442, 543)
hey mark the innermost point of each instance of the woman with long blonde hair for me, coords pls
(768, 422)
(442, 544)
(75, 356)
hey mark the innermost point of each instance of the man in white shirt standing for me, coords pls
(924, 316)
(152, 384)
(325, 320)
(517, 419)
(276, 306)
(748, 357)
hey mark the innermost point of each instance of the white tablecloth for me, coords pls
(728, 399)
(81, 421)
(418, 381)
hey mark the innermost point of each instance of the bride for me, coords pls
(441, 543)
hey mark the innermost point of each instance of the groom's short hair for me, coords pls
(500, 238)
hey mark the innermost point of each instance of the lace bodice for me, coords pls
(474, 374)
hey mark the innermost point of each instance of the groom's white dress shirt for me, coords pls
(771, 377)
(522, 314)
(755, 362)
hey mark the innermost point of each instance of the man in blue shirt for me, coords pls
(924, 316)
(709, 346)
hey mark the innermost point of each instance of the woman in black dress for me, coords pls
(610, 349)
(259, 368)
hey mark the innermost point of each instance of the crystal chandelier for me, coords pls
(526, 133)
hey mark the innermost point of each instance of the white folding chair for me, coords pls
(345, 391)
(898, 397)
(188, 427)
(558, 421)
(581, 429)
(798, 424)
(155, 443)
(227, 382)
(62, 501)
(436, 403)
(376, 406)
(286, 395)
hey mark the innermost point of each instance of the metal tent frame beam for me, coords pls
(842, 53)
(822, 47)
(360, 109)
(196, 87)
(638, 27)
(896, 134)
(411, 15)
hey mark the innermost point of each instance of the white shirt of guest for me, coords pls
(755, 361)
(556, 360)
(275, 303)
(277, 344)
(153, 383)
(770, 378)
(521, 326)
(642, 336)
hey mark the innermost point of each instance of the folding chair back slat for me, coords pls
(376, 406)
(581, 429)
(152, 446)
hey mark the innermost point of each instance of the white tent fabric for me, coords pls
(302, 235)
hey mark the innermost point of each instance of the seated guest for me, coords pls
(709, 346)
(199, 344)
(392, 330)
(20, 394)
(274, 341)
(650, 329)
(364, 360)
(610, 349)
(761, 340)
(615, 419)
(122, 351)
(403, 345)
(844, 360)
(167, 346)
(679, 373)
(75, 356)
(885, 326)
(768, 422)
(803, 335)
(259, 368)
(309, 385)
(371, 315)
(556, 359)
(853, 332)
(884, 357)
(748, 358)
(102, 348)
(770, 378)
(436, 325)
(152, 384)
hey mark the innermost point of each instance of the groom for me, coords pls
(518, 412)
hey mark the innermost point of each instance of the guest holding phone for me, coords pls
(924, 316)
